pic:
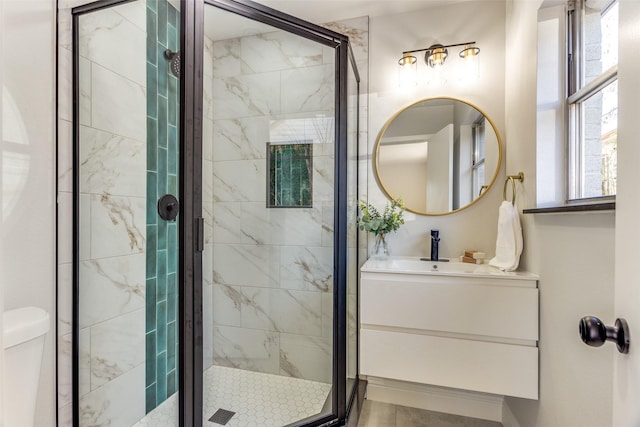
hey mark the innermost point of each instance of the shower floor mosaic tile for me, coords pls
(258, 400)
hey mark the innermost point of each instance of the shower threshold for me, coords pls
(257, 399)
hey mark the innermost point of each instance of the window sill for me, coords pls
(594, 207)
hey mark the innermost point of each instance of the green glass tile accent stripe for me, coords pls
(163, 114)
(290, 175)
(150, 398)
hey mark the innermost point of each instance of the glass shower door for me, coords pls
(269, 201)
(126, 117)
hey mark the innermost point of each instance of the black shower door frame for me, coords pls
(191, 225)
(249, 9)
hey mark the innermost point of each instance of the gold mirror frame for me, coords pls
(388, 123)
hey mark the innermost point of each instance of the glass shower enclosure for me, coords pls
(215, 190)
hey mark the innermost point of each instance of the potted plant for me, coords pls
(380, 224)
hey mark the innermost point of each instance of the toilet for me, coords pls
(23, 338)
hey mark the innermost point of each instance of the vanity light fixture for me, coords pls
(408, 70)
(435, 57)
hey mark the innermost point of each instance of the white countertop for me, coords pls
(413, 265)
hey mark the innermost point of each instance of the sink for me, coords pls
(414, 265)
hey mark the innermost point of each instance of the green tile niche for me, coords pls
(162, 178)
(290, 174)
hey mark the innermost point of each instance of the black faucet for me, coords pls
(435, 239)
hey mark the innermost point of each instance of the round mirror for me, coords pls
(440, 155)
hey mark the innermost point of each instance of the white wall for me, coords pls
(473, 228)
(572, 253)
(27, 243)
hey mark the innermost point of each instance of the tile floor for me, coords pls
(259, 400)
(378, 414)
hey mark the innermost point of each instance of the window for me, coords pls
(592, 99)
(478, 158)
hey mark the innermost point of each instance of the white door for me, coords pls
(626, 383)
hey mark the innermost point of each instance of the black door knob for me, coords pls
(594, 333)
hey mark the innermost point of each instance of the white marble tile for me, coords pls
(246, 265)
(226, 222)
(114, 42)
(207, 98)
(118, 105)
(256, 308)
(117, 346)
(306, 357)
(112, 164)
(323, 178)
(278, 50)
(327, 315)
(288, 129)
(208, 56)
(207, 326)
(246, 95)
(207, 181)
(120, 402)
(300, 227)
(65, 416)
(240, 139)
(308, 89)
(65, 303)
(65, 156)
(246, 349)
(239, 181)
(306, 268)
(111, 287)
(207, 264)
(84, 362)
(357, 29)
(118, 225)
(84, 229)
(65, 228)
(207, 139)
(135, 12)
(226, 58)
(207, 213)
(328, 211)
(64, 370)
(84, 84)
(227, 303)
(296, 312)
(65, 84)
(64, 29)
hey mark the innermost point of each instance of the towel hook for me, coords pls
(512, 178)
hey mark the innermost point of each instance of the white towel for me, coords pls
(509, 240)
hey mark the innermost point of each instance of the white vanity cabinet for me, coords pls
(463, 326)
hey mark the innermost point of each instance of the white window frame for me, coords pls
(577, 95)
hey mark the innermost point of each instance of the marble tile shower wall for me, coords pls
(271, 269)
(113, 205)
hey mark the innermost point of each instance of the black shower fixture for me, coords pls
(174, 65)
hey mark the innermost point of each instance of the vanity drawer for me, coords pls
(503, 369)
(449, 304)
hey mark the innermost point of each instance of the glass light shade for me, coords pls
(436, 56)
(408, 71)
(469, 67)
